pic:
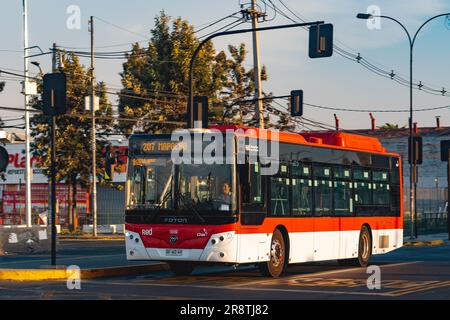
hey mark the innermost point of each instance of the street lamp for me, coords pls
(37, 64)
(412, 160)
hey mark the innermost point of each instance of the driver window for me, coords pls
(251, 184)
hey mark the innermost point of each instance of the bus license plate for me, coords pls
(174, 252)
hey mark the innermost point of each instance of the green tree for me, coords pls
(155, 78)
(73, 134)
(390, 126)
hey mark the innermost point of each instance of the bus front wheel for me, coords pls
(181, 268)
(277, 263)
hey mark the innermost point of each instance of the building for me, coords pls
(110, 199)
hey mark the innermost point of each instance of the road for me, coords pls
(408, 273)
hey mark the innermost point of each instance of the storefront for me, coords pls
(12, 195)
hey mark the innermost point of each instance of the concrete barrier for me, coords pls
(105, 229)
(24, 240)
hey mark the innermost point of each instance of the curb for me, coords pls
(63, 274)
(424, 243)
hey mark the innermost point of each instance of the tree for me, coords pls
(155, 79)
(73, 134)
(390, 126)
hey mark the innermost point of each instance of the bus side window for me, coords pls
(343, 201)
(251, 183)
(323, 191)
(301, 189)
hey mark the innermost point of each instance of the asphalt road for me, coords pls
(408, 273)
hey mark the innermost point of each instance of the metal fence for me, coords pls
(431, 209)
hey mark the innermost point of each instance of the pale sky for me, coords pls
(333, 82)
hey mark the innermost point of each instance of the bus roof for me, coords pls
(342, 140)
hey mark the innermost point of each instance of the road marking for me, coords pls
(47, 295)
(232, 288)
(323, 273)
(423, 288)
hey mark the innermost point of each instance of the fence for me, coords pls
(431, 209)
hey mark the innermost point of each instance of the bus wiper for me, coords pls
(164, 199)
(191, 206)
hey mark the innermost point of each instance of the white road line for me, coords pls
(238, 288)
(323, 273)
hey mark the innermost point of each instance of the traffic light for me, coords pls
(3, 159)
(200, 112)
(321, 40)
(417, 149)
(110, 162)
(54, 94)
(296, 103)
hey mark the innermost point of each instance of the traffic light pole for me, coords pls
(93, 135)
(53, 187)
(53, 168)
(226, 33)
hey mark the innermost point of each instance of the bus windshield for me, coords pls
(206, 187)
(156, 183)
(151, 182)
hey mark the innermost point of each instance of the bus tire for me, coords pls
(364, 247)
(277, 263)
(181, 268)
(364, 250)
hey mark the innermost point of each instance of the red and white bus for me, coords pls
(334, 196)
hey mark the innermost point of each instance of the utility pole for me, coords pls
(257, 70)
(27, 117)
(94, 146)
(53, 169)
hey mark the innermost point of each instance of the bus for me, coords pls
(333, 196)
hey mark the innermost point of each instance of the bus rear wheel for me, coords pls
(181, 268)
(364, 250)
(277, 263)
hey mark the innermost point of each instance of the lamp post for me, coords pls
(225, 33)
(412, 162)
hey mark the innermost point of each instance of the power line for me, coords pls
(121, 28)
(358, 58)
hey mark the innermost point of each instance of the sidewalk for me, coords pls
(427, 240)
(95, 258)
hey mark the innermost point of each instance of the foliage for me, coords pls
(155, 79)
(73, 133)
(390, 126)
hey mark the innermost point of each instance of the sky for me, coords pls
(332, 82)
